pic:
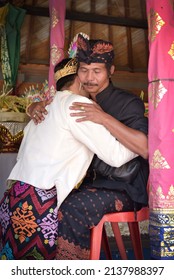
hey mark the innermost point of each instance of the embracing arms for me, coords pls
(133, 139)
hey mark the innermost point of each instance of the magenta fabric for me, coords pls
(161, 127)
(57, 10)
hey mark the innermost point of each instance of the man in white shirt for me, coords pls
(53, 158)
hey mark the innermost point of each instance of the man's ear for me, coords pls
(112, 69)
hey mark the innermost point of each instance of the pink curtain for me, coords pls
(57, 10)
(160, 15)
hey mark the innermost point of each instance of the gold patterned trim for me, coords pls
(161, 231)
(55, 54)
(166, 211)
(158, 161)
(159, 199)
(171, 51)
(54, 18)
(156, 92)
(155, 23)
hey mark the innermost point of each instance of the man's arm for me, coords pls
(133, 139)
(99, 140)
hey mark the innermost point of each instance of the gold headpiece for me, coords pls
(69, 69)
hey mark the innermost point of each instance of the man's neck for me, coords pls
(93, 96)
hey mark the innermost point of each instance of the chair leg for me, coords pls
(95, 241)
(119, 240)
(105, 245)
(136, 240)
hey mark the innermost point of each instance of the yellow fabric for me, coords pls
(79, 184)
(3, 14)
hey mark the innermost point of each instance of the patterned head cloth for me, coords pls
(94, 51)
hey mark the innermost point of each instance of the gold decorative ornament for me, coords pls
(69, 69)
(54, 18)
(171, 51)
(155, 23)
(156, 92)
(55, 54)
(158, 161)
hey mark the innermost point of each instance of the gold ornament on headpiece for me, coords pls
(69, 69)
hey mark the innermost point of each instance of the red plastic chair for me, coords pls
(99, 236)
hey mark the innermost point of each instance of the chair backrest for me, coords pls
(114, 219)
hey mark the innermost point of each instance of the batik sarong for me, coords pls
(28, 223)
(82, 210)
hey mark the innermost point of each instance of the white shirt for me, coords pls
(58, 151)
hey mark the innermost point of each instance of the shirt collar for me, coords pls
(103, 95)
